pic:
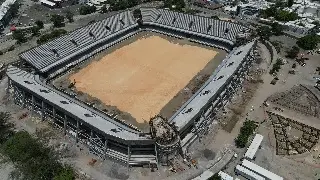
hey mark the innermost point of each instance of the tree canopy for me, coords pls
(293, 52)
(6, 128)
(264, 32)
(87, 9)
(290, 3)
(116, 5)
(69, 16)
(215, 177)
(39, 24)
(57, 20)
(276, 66)
(31, 158)
(20, 36)
(35, 30)
(309, 42)
(14, 9)
(279, 14)
(245, 132)
(104, 9)
(277, 29)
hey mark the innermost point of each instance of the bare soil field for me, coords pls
(144, 76)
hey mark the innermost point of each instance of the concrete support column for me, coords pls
(77, 131)
(65, 124)
(42, 111)
(196, 130)
(212, 110)
(90, 140)
(129, 154)
(91, 136)
(105, 149)
(32, 103)
(230, 91)
(203, 114)
(220, 100)
(54, 112)
(23, 99)
(8, 87)
(233, 88)
(155, 150)
(14, 95)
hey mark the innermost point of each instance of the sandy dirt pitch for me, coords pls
(142, 77)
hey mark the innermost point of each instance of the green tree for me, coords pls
(67, 173)
(20, 36)
(215, 177)
(215, 17)
(264, 32)
(277, 29)
(87, 9)
(32, 159)
(39, 24)
(137, 13)
(293, 52)
(286, 16)
(35, 30)
(280, 4)
(276, 66)
(278, 45)
(57, 20)
(6, 128)
(245, 132)
(290, 3)
(279, 14)
(308, 42)
(14, 9)
(69, 16)
(269, 12)
(317, 23)
(103, 9)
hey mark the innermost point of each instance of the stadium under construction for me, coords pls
(105, 135)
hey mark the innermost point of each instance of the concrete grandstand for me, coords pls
(105, 135)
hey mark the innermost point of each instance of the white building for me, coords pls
(97, 3)
(254, 146)
(260, 171)
(225, 176)
(204, 176)
(248, 174)
(308, 12)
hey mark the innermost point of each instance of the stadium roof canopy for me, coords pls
(76, 43)
(62, 49)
